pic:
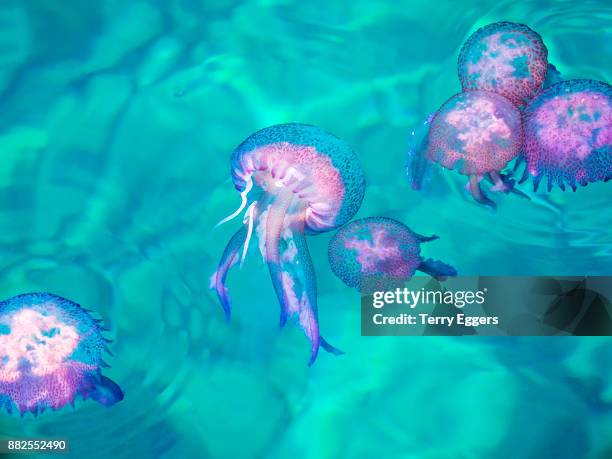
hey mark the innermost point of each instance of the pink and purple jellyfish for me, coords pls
(476, 133)
(294, 179)
(506, 58)
(568, 134)
(50, 353)
(379, 253)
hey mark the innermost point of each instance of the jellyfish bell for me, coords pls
(476, 133)
(506, 58)
(294, 180)
(568, 134)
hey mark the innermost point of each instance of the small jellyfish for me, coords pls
(506, 58)
(476, 133)
(379, 253)
(568, 134)
(50, 353)
(294, 179)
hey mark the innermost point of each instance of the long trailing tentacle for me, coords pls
(228, 259)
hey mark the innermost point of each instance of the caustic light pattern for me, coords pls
(294, 179)
(506, 58)
(379, 253)
(568, 134)
(50, 353)
(477, 133)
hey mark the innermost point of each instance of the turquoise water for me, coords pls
(117, 120)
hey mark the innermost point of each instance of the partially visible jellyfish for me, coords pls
(294, 179)
(568, 134)
(379, 253)
(50, 353)
(553, 76)
(476, 133)
(506, 58)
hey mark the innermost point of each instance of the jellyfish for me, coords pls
(294, 180)
(506, 58)
(568, 134)
(476, 133)
(553, 76)
(51, 353)
(379, 253)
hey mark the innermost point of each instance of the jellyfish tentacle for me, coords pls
(477, 193)
(521, 194)
(437, 269)
(243, 203)
(517, 163)
(525, 175)
(275, 223)
(228, 259)
(505, 183)
(248, 221)
(501, 182)
(330, 348)
(536, 182)
(310, 310)
(300, 284)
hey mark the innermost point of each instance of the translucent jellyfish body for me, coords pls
(568, 134)
(476, 133)
(294, 179)
(50, 353)
(378, 253)
(506, 58)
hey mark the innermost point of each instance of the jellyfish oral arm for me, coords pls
(106, 392)
(274, 225)
(477, 193)
(437, 269)
(291, 269)
(229, 259)
(298, 288)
